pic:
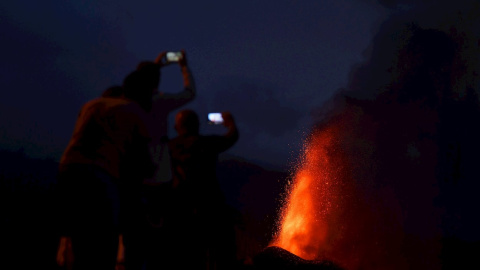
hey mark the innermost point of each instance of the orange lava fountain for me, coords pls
(304, 230)
(339, 209)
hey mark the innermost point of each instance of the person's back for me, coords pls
(163, 103)
(199, 207)
(194, 160)
(145, 206)
(109, 146)
(106, 130)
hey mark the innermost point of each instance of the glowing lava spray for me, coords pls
(338, 209)
(313, 199)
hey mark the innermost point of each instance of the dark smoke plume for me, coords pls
(410, 117)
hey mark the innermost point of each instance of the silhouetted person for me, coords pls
(163, 104)
(64, 252)
(144, 235)
(201, 228)
(109, 145)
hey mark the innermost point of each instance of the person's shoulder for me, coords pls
(122, 103)
(184, 140)
(117, 101)
(106, 101)
(93, 102)
(217, 143)
(98, 104)
(210, 140)
(125, 107)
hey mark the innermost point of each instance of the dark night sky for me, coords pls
(271, 63)
(279, 66)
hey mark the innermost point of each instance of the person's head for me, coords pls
(153, 71)
(113, 91)
(140, 84)
(186, 122)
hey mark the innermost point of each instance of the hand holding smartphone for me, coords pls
(215, 118)
(174, 56)
(166, 58)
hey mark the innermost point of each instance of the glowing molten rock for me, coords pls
(304, 230)
(346, 206)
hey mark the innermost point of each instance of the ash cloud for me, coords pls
(411, 120)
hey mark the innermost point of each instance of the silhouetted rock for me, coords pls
(280, 259)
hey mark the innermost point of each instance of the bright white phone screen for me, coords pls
(215, 118)
(174, 56)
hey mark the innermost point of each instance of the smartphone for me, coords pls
(174, 56)
(215, 118)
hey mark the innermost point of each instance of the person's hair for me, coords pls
(152, 70)
(187, 122)
(113, 91)
(139, 85)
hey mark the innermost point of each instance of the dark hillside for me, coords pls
(28, 208)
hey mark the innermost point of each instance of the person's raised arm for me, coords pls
(188, 82)
(232, 133)
(161, 59)
(172, 101)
